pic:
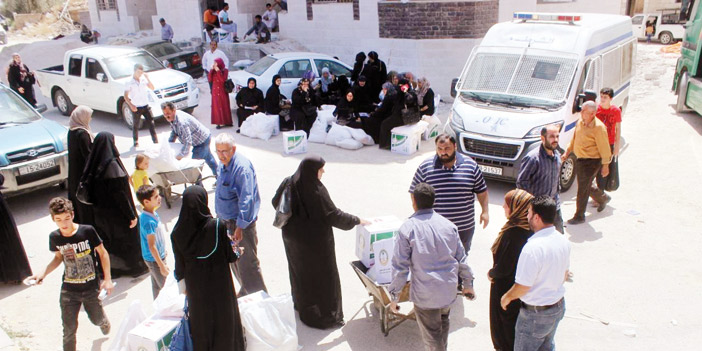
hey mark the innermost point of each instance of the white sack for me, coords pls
(318, 132)
(258, 126)
(349, 144)
(360, 135)
(270, 324)
(162, 158)
(135, 315)
(169, 302)
(336, 134)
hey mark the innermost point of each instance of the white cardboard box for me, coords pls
(295, 142)
(380, 228)
(431, 132)
(153, 334)
(383, 252)
(405, 139)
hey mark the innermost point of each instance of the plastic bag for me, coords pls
(169, 302)
(336, 134)
(349, 144)
(258, 126)
(360, 135)
(270, 324)
(163, 159)
(318, 132)
(135, 315)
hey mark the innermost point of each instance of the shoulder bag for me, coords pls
(283, 209)
(181, 339)
(229, 86)
(83, 194)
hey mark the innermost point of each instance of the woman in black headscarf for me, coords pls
(371, 125)
(361, 94)
(304, 106)
(277, 104)
(113, 207)
(202, 253)
(376, 73)
(249, 100)
(14, 266)
(21, 79)
(358, 66)
(80, 140)
(346, 113)
(405, 105)
(309, 246)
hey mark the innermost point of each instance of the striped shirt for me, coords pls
(539, 174)
(189, 131)
(455, 188)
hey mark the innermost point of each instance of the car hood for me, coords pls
(502, 122)
(23, 136)
(242, 77)
(163, 78)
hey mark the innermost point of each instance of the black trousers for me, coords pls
(586, 169)
(136, 116)
(71, 301)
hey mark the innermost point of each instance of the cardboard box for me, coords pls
(405, 139)
(153, 334)
(295, 142)
(383, 252)
(431, 132)
(380, 228)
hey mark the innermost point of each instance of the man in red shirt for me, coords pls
(611, 116)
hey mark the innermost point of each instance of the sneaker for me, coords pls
(105, 327)
(136, 144)
(576, 220)
(602, 206)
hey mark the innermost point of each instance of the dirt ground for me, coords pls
(634, 263)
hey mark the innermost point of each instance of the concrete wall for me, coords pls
(508, 7)
(107, 22)
(183, 15)
(335, 32)
(655, 5)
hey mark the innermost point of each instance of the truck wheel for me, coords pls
(666, 38)
(568, 173)
(63, 103)
(189, 110)
(680, 105)
(127, 116)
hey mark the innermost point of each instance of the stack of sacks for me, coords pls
(347, 137)
(325, 118)
(261, 126)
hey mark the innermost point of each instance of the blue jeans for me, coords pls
(535, 329)
(202, 152)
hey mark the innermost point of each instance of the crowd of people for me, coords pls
(219, 26)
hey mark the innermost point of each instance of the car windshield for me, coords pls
(14, 110)
(260, 66)
(123, 66)
(162, 49)
(527, 79)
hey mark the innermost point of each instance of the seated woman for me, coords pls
(361, 92)
(304, 106)
(372, 124)
(327, 89)
(345, 112)
(249, 100)
(276, 103)
(405, 111)
(425, 97)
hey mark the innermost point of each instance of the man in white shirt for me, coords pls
(541, 271)
(226, 23)
(136, 95)
(208, 59)
(270, 17)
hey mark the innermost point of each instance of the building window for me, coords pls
(106, 5)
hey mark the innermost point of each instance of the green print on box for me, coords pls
(294, 141)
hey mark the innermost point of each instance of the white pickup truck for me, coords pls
(96, 76)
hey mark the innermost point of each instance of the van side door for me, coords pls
(638, 26)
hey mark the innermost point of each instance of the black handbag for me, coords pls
(613, 177)
(310, 110)
(83, 194)
(283, 208)
(229, 86)
(410, 116)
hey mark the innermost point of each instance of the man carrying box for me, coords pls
(429, 244)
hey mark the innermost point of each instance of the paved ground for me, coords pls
(633, 263)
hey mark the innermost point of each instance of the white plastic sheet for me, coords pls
(135, 315)
(169, 302)
(270, 323)
(163, 158)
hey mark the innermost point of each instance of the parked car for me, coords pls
(96, 76)
(172, 56)
(33, 151)
(290, 66)
(667, 26)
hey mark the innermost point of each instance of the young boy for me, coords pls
(611, 116)
(76, 246)
(151, 230)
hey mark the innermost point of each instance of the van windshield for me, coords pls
(528, 79)
(13, 110)
(123, 66)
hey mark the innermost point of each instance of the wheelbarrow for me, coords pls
(166, 180)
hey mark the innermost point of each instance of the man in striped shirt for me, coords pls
(457, 180)
(191, 133)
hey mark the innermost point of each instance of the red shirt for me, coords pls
(610, 117)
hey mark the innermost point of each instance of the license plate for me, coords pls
(36, 167)
(491, 170)
(180, 104)
(182, 64)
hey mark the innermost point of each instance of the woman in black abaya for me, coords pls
(309, 246)
(80, 140)
(249, 100)
(202, 255)
(14, 266)
(113, 207)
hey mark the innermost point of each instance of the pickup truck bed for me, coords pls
(53, 69)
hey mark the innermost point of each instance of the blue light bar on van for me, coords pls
(545, 17)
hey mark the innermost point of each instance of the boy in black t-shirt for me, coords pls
(78, 247)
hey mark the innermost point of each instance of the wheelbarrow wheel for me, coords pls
(166, 195)
(384, 321)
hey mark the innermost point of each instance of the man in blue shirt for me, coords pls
(428, 245)
(237, 202)
(166, 31)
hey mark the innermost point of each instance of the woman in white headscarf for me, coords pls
(21, 79)
(425, 96)
(80, 141)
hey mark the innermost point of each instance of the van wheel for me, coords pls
(63, 102)
(127, 116)
(666, 38)
(680, 105)
(568, 173)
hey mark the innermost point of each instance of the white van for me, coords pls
(533, 71)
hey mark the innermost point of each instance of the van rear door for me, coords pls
(638, 26)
